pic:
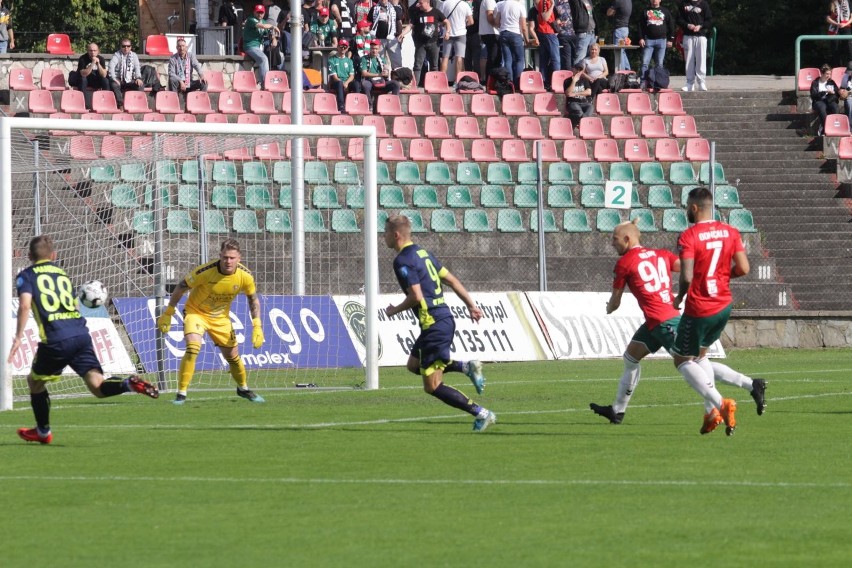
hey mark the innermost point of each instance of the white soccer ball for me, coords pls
(92, 294)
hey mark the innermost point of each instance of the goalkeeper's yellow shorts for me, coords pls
(219, 328)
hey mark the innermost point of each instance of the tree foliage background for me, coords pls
(104, 22)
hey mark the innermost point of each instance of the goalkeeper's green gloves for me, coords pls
(164, 322)
(256, 333)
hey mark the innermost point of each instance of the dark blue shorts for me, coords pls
(433, 345)
(76, 352)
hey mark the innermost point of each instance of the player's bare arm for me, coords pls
(614, 300)
(687, 270)
(741, 265)
(254, 305)
(24, 307)
(412, 299)
(450, 280)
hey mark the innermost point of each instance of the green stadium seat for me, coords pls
(346, 173)
(576, 221)
(381, 219)
(718, 216)
(510, 221)
(468, 173)
(224, 171)
(425, 197)
(635, 201)
(278, 221)
(343, 221)
(660, 197)
(281, 173)
(651, 173)
(560, 196)
(526, 196)
(178, 221)
(674, 220)
(355, 197)
(718, 171)
(143, 222)
(607, 219)
(727, 197)
(224, 197)
(621, 171)
(682, 173)
(459, 196)
(189, 171)
(103, 174)
(408, 173)
(124, 196)
(493, 196)
(476, 221)
(548, 219)
(527, 173)
(314, 222)
(325, 197)
(133, 173)
(255, 173)
(684, 194)
(591, 173)
(417, 224)
(285, 197)
(592, 196)
(214, 221)
(316, 173)
(245, 222)
(646, 222)
(165, 196)
(742, 220)
(258, 197)
(167, 172)
(391, 197)
(444, 221)
(382, 174)
(438, 173)
(499, 173)
(188, 196)
(560, 173)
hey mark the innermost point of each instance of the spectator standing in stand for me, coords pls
(428, 24)
(840, 23)
(620, 11)
(460, 15)
(7, 34)
(514, 35)
(584, 28)
(386, 24)
(548, 51)
(696, 20)
(656, 34)
(490, 38)
(473, 42)
(565, 34)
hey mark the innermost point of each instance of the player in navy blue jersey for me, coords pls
(422, 277)
(45, 290)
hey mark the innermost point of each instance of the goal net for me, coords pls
(138, 205)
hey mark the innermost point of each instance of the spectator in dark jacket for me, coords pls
(620, 11)
(584, 28)
(656, 34)
(824, 93)
(697, 21)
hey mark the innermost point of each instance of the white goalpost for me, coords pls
(137, 205)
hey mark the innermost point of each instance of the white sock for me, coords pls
(701, 383)
(182, 393)
(731, 377)
(627, 384)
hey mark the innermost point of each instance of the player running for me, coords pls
(711, 253)
(647, 273)
(422, 278)
(213, 287)
(45, 290)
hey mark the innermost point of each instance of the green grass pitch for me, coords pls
(395, 478)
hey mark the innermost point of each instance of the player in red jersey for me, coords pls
(647, 273)
(711, 253)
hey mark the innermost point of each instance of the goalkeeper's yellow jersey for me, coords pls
(211, 292)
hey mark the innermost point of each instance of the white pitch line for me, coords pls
(506, 482)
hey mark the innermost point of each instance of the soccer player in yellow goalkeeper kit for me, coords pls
(213, 287)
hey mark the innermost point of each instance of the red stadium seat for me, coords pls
(61, 116)
(436, 127)
(639, 104)
(483, 151)
(621, 127)
(167, 102)
(52, 79)
(237, 150)
(329, 149)
(82, 147)
(467, 127)
(231, 102)
(389, 105)
(698, 149)
(436, 83)
(379, 123)
(112, 147)
(268, 151)
(59, 44)
(175, 146)
(287, 102)
(514, 150)
(606, 150)
(670, 104)
(560, 128)
(126, 118)
(591, 128)
(357, 103)
(844, 149)
(684, 127)
(342, 120)
(452, 104)
(575, 151)
(215, 81)
(452, 150)
(73, 102)
(93, 116)
(468, 75)
(514, 104)
(21, 79)
(325, 104)
(531, 82)
(198, 102)
(157, 45)
(356, 149)
(153, 117)
(104, 102)
(248, 118)
(420, 105)
(529, 128)
(41, 102)
(135, 102)
(546, 104)
(807, 75)
(216, 118)
(311, 120)
(549, 153)
(636, 150)
(421, 150)
(183, 117)
(667, 150)
(390, 150)
(405, 127)
(206, 147)
(607, 104)
(837, 74)
(654, 126)
(280, 119)
(276, 82)
(835, 125)
(558, 78)
(262, 102)
(497, 127)
(482, 104)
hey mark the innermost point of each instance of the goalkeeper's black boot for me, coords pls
(249, 395)
(607, 412)
(758, 393)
